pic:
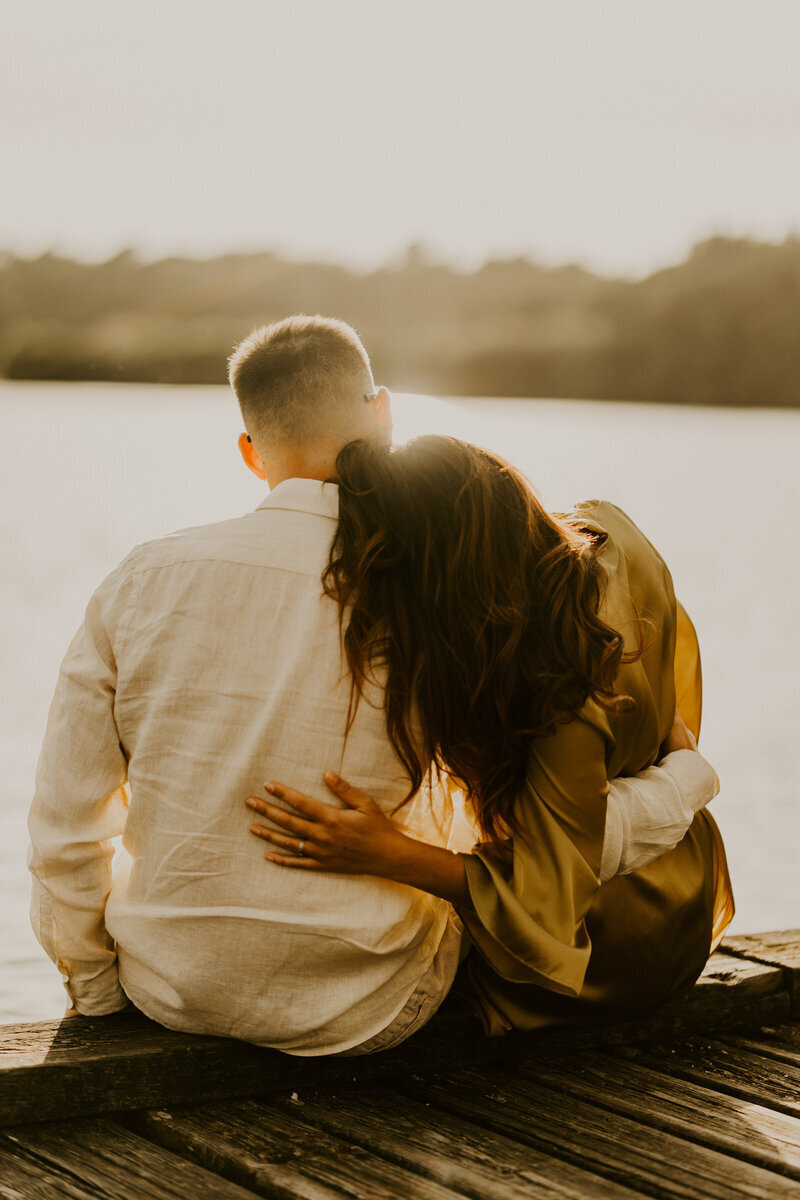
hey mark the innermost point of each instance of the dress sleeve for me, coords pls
(531, 893)
(688, 672)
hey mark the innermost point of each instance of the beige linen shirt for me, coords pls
(208, 662)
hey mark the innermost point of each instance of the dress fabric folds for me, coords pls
(553, 946)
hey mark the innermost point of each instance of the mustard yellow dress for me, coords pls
(551, 945)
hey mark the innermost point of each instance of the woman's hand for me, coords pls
(356, 840)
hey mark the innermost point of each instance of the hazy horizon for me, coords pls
(425, 253)
(614, 136)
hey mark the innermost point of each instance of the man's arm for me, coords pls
(650, 813)
(79, 805)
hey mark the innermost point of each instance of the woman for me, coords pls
(530, 658)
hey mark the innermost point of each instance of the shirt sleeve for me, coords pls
(650, 813)
(79, 805)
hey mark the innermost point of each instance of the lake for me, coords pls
(87, 471)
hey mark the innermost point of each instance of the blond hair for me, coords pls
(303, 378)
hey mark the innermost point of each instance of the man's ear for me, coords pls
(250, 457)
(383, 411)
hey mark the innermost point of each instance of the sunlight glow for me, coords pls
(614, 134)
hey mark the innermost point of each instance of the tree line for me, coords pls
(719, 328)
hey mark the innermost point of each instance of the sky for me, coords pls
(614, 134)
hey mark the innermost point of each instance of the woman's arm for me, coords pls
(357, 840)
(647, 815)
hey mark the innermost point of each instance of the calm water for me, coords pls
(88, 471)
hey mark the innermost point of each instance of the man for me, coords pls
(209, 661)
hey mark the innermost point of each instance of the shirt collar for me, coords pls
(305, 495)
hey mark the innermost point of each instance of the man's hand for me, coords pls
(680, 737)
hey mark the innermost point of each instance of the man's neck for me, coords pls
(298, 467)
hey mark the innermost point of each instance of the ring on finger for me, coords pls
(301, 845)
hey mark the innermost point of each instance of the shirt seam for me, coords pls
(123, 628)
(177, 562)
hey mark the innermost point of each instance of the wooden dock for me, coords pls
(701, 1100)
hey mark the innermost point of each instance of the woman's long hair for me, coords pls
(479, 608)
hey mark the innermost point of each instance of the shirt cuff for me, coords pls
(694, 777)
(97, 995)
(649, 813)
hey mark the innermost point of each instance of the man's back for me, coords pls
(219, 658)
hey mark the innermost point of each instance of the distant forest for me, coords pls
(722, 327)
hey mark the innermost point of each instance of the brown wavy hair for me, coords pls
(478, 607)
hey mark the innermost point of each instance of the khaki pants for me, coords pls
(423, 1002)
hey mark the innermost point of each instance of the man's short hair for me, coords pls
(301, 379)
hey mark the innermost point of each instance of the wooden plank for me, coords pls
(729, 986)
(23, 1178)
(767, 1048)
(109, 1161)
(84, 1066)
(608, 1144)
(737, 1072)
(730, 994)
(454, 1152)
(749, 979)
(780, 1035)
(781, 949)
(279, 1155)
(725, 1123)
(780, 943)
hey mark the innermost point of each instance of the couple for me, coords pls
(374, 650)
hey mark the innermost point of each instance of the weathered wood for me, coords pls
(85, 1066)
(109, 1161)
(767, 1048)
(749, 980)
(780, 1035)
(781, 949)
(610, 1113)
(454, 1152)
(738, 1072)
(725, 1123)
(82, 1066)
(279, 1155)
(611, 1145)
(23, 1178)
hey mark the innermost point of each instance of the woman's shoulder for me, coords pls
(639, 602)
(622, 532)
(603, 515)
